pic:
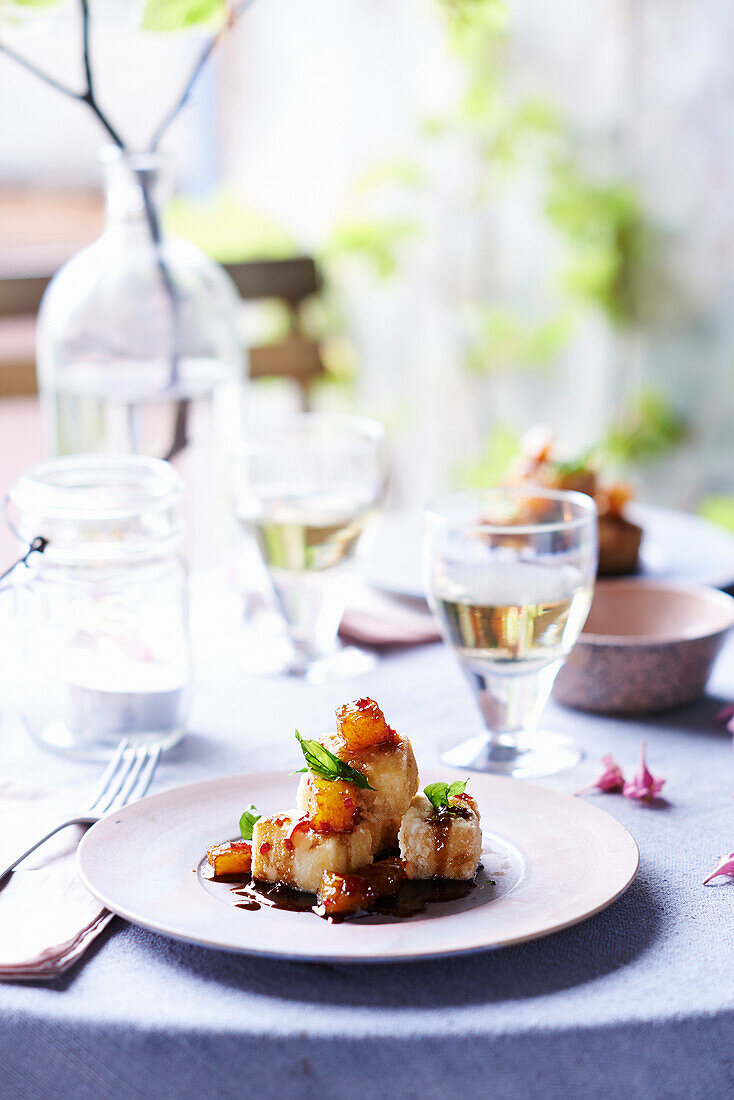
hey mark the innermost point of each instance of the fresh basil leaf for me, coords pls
(437, 794)
(440, 794)
(247, 821)
(327, 766)
(457, 787)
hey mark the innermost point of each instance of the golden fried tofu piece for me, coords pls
(286, 848)
(361, 725)
(329, 805)
(340, 894)
(232, 858)
(393, 773)
(441, 844)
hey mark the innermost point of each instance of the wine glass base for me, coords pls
(274, 655)
(537, 755)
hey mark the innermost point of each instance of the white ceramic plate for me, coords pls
(676, 546)
(556, 860)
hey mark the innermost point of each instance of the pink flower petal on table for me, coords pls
(611, 779)
(724, 867)
(643, 784)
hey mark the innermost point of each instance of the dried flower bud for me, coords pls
(611, 779)
(724, 867)
(726, 714)
(643, 784)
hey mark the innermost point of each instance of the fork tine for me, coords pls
(147, 773)
(118, 779)
(139, 758)
(108, 773)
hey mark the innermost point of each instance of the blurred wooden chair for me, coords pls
(290, 281)
(19, 301)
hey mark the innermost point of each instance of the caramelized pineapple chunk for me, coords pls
(348, 893)
(393, 776)
(233, 858)
(361, 725)
(330, 805)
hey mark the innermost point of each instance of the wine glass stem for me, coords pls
(511, 703)
(312, 606)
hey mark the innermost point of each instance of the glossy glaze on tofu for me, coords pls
(441, 844)
(286, 848)
(364, 740)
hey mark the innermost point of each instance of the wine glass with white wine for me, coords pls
(305, 489)
(510, 575)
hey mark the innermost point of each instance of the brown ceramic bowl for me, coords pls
(645, 646)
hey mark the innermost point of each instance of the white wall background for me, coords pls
(49, 140)
(311, 93)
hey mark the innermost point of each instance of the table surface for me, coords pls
(637, 1001)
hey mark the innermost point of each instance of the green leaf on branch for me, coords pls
(649, 427)
(502, 448)
(179, 15)
(26, 4)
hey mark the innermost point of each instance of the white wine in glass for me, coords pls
(510, 577)
(298, 529)
(305, 490)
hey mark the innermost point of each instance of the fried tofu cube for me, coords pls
(361, 725)
(286, 848)
(339, 894)
(232, 858)
(391, 771)
(441, 844)
(331, 806)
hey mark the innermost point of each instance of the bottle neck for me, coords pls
(136, 186)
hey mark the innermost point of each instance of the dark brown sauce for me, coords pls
(415, 895)
(412, 898)
(441, 822)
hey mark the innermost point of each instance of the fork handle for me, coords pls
(63, 825)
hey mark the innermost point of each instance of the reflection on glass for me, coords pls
(510, 575)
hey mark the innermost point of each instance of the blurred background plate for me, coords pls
(676, 546)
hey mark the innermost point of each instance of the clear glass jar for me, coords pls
(102, 617)
(137, 343)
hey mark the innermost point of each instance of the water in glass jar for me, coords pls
(105, 697)
(130, 407)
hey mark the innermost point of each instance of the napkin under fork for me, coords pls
(48, 918)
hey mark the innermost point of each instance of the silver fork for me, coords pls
(126, 778)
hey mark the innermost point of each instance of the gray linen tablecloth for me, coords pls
(638, 1001)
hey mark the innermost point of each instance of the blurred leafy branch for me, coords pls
(214, 16)
(500, 338)
(647, 428)
(718, 509)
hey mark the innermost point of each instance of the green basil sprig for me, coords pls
(324, 764)
(247, 821)
(440, 794)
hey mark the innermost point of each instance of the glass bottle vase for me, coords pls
(137, 344)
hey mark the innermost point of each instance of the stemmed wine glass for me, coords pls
(305, 489)
(510, 575)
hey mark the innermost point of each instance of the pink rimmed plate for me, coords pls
(553, 860)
